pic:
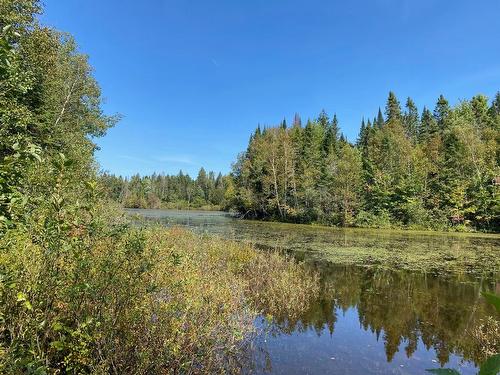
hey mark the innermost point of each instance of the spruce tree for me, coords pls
(480, 108)
(411, 119)
(392, 108)
(362, 134)
(428, 126)
(323, 119)
(379, 122)
(331, 136)
(495, 105)
(297, 121)
(441, 112)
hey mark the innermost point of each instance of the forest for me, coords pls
(430, 170)
(179, 191)
(85, 289)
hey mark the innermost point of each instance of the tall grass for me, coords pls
(114, 299)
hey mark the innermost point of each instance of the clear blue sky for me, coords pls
(194, 78)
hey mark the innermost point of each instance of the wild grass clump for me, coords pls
(280, 288)
(135, 301)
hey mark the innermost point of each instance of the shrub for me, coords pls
(116, 299)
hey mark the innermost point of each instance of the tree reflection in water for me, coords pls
(399, 307)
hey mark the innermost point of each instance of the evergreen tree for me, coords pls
(479, 104)
(323, 119)
(203, 183)
(495, 105)
(392, 108)
(428, 126)
(441, 112)
(411, 119)
(331, 136)
(297, 121)
(360, 142)
(379, 122)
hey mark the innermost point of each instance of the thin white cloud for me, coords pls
(181, 159)
(134, 158)
(177, 159)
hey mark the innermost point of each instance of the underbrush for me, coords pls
(96, 298)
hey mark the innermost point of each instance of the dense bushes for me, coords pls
(94, 298)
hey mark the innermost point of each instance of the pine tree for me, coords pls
(441, 112)
(297, 121)
(283, 123)
(428, 126)
(379, 122)
(392, 108)
(411, 119)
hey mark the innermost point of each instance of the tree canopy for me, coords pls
(430, 170)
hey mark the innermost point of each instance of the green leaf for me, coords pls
(57, 326)
(443, 371)
(493, 299)
(28, 305)
(491, 366)
(21, 297)
(57, 345)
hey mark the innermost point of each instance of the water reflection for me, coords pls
(377, 321)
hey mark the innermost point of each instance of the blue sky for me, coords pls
(193, 78)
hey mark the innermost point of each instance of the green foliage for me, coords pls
(438, 171)
(492, 299)
(491, 366)
(81, 291)
(207, 191)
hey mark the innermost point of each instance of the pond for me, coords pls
(378, 312)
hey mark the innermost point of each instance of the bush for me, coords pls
(370, 220)
(100, 299)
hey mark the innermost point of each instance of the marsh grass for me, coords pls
(137, 301)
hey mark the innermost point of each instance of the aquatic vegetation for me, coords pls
(437, 253)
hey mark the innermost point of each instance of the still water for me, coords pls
(367, 320)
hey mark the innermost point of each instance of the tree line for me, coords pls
(429, 170)
(207, 190)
